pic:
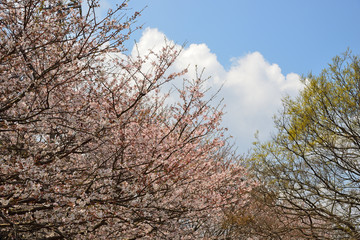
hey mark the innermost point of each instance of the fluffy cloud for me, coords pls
(151, 39)
(253, 91)
(194, 55)
(252, 87)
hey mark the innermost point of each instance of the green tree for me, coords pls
(312, 163)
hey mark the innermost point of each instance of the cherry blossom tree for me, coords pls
(90, 146)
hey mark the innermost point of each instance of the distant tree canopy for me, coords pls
(312, 164)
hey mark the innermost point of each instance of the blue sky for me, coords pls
(299, 35)
(258, 47)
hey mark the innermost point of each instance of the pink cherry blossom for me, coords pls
(89, 153)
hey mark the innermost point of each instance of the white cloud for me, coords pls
(199, 55)
(252, 89)
(196, 54)
(151, 39)
(253, 92)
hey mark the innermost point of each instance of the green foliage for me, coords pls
(313, 161)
